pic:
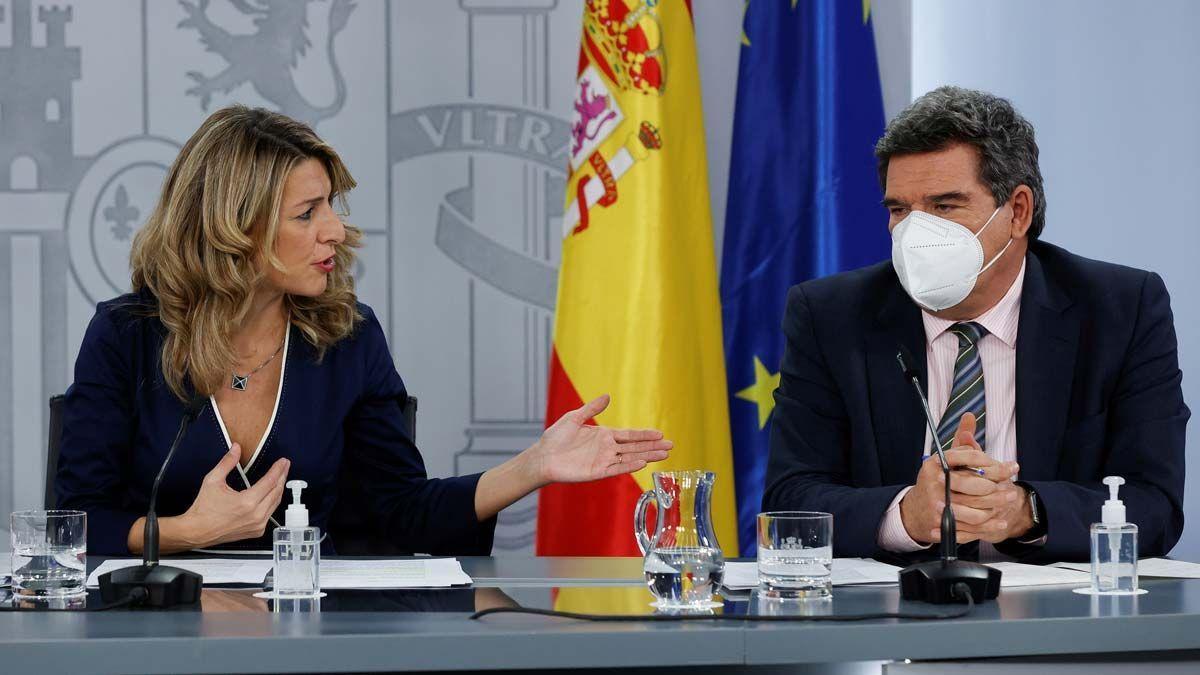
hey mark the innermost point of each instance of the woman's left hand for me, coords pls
(572, 451)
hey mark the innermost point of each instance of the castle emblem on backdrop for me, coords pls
(623, 52)
(267, 58)
(97, 200)
(36, 103)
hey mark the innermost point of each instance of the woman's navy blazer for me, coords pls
(337, 419)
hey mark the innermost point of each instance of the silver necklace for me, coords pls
(240, 381)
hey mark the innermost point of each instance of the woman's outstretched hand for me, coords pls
(572, 451)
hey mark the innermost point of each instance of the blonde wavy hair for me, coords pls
(202, 251)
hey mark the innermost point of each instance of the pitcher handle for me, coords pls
(639, 521)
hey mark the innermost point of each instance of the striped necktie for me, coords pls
(966, 395)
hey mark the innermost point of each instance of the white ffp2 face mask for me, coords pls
(938, 260)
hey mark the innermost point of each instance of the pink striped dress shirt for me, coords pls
(998, 353)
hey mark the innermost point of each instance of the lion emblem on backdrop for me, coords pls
(267, 58)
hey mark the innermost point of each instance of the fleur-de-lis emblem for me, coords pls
(121, 214)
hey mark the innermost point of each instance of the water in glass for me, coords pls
(49, 570)
(683, 575)
(798, 568)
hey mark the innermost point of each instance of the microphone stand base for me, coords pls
(934, 581)
(165, 586)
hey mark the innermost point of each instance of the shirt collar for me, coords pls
(1000, 320)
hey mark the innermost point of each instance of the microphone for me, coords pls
(949, 531)
(161, 585)
(150, 534)
(936, 581)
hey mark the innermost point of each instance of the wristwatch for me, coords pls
(1037, 510)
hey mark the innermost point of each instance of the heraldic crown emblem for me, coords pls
(626, 43)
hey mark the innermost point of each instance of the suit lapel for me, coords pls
(1047, 340)
(898, 418)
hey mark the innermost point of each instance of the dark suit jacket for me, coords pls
(339, 420)
(1098, 394)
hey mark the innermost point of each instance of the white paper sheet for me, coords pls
(1149, 567)
(214, 570)
(422, 573)
(1017, 575)
(846, 572)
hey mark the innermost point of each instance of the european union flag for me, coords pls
(803, 197)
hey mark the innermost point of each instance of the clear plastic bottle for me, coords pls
(1114, 547)
(296, 551)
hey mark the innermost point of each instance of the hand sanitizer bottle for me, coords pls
(296, 551)
(1114, 547)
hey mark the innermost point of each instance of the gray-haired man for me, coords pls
(1045, 371)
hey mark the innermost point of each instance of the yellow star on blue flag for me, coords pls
(761, 391)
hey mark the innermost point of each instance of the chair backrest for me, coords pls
(410, 416)
(53, 443)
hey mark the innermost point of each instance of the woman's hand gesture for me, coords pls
(572, 451)
(220, 513)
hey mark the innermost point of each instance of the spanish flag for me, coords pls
(638, 315)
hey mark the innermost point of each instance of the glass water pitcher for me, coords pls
(683, 561)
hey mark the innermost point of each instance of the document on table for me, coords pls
(1017, 575)
(214, 570)
(420, 573)
(846, 572)
(1148, 567)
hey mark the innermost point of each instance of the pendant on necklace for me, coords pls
(239, 382)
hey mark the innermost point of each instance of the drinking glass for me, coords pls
(795, 554)
(49, 553)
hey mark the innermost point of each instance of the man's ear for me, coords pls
(1022, 202)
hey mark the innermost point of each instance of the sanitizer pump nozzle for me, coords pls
(1113, 512)
(297, 514)
(1114, 546)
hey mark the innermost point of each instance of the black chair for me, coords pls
(53, 442)
(354, 535)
